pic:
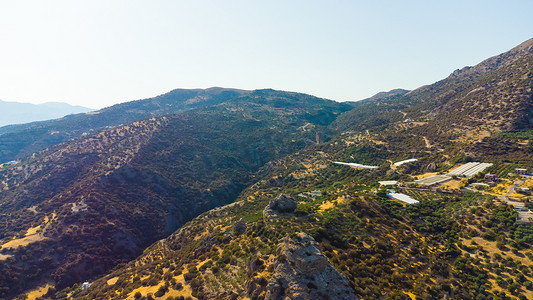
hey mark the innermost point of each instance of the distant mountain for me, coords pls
(19, 113)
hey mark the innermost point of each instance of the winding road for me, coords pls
(524, 214)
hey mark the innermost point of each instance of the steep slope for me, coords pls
(82, 207)
(494, 95)
(18, 113)
(21, 140)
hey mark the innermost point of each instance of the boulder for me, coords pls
(281, 204)
(239, 227)
(303, 272)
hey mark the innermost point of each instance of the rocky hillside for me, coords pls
(309, 222)
(387, 95)
(81, 207)
(494, 95)
(312, 229)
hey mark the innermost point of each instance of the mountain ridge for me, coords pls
(18, 141)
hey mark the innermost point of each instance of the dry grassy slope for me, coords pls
(464, 78)
(95, 155)
(63, 185)
(496, 92)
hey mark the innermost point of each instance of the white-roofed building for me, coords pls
(388, 182)
(354, 165)
(397, 164)
(403, 197)
(470, 169)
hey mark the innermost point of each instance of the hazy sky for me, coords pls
(97, 53)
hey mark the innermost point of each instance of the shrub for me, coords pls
(528, 285)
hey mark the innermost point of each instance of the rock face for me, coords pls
(303, 272)
(282, 204)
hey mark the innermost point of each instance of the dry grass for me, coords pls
(112, 281)
(528, 183)
(326, 205)
(501, 188)
(491, 249)
(33, 235)
(516, 195)
(454, 184)
(330, 204)
(473, 135)
(23, 241)
(411, 295)
(426, 175)
(4, 256)
(185, 292)
(377, 142)
(32, 295)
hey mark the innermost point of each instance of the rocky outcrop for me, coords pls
(281, 204)
(239, 227)
(303, 272)
(431, 167)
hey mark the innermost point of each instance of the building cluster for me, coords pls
(491, 178)
(521, 171)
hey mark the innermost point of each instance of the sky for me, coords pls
(98, 53)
